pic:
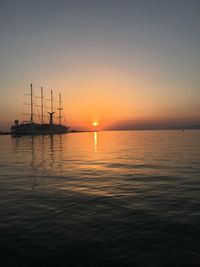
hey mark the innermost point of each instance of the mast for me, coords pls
(52, 112)
(42, 105)
(60, 109)
(31, 103)
(51, 101)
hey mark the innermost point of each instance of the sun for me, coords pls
(95, 123)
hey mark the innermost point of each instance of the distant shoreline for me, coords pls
(4, 133)
(121, 130)
(174, 129)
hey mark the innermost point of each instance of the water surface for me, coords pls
(90, 199)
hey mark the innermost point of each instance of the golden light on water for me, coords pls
(95, 141)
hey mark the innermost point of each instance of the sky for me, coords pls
(123, 63)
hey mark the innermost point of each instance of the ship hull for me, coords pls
(38, 129)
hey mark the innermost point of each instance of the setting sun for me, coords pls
(95, 123)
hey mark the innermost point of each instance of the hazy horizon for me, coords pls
(124, 64)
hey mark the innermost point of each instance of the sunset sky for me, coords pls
(123, 63)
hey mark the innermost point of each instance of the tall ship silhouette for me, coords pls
(33, 128)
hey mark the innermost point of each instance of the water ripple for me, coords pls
(113, 198)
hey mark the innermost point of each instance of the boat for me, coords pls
(33, 128)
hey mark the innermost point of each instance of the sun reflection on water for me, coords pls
(95, 142)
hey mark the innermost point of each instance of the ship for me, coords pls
(33, 128)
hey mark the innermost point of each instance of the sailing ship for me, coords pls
(33, 128)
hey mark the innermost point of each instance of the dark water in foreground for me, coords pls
(96, 199)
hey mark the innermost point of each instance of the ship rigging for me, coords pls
(32, 128)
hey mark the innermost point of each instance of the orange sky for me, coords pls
(121, 64)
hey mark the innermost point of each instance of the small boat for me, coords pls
(33, 128)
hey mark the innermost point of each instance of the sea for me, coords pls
(115, 198)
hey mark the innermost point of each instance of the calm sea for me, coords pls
(96, 199)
